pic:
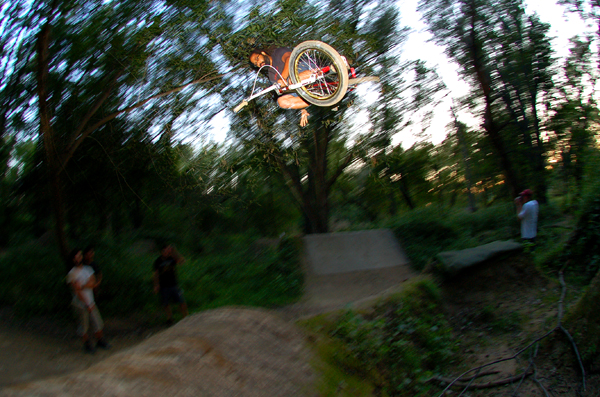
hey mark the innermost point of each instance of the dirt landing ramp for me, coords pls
(347, 269)
(223, 352)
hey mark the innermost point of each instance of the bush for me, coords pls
(583, 251)
(239, 276)
(397, 346)
(422, 234)
(426, 232)
(33, 281)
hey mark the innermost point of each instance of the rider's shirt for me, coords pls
(276, 57)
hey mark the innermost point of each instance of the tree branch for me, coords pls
(536, 380)
(95, 107)
(340, 169)
(559, 326)
(568, 335)
(89, 130)
(487, 385)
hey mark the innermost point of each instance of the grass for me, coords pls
(334, 379)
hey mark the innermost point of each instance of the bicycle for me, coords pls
(329, 80)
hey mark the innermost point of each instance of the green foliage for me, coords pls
(335, 380)
(398, 345)
(32, 278)
(126, 280)
(243, 274)
(425, 232)
(578, 251)
(583, 321)
(583, 252)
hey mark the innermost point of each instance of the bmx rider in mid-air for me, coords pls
(279, 60)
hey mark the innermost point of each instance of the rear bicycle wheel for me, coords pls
(325, 62)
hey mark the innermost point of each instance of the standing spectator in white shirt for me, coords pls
(82, 281)
(527, 212)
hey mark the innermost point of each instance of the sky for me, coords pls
(563, 27)
(418, 46)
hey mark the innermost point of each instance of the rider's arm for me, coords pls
(285, 73)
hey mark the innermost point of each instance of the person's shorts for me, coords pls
(86, 318)
(301, 68)
(171, 295)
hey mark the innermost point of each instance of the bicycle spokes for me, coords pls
(320, 64)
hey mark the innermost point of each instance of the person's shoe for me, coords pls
(88, 347)
(103, 344)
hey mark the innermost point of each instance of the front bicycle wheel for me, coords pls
(325, 62)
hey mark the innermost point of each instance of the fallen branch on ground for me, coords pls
(466, 379)
(487, 385)
(467, 382)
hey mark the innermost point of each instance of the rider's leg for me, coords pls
(291, 102)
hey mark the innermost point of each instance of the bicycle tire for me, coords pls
(329, 88)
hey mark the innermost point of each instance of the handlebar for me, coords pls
(240, 106)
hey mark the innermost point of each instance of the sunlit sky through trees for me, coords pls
(563, 27)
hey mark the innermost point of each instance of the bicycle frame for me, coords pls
(316, 80)
(281, 90)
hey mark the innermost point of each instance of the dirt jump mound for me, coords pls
(223, 352)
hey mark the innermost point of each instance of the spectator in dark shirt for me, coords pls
(165, 281)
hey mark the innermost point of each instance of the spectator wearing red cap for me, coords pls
(527, 212)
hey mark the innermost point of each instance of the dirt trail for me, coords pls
(42, 348)
(495, 308)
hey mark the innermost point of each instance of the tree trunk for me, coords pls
(50, 144)
(464, 152)
(318, 189)
(491, 127)
(541, 185)
(406, 193)
(312, 196)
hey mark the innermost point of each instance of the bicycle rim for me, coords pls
(328, 81)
